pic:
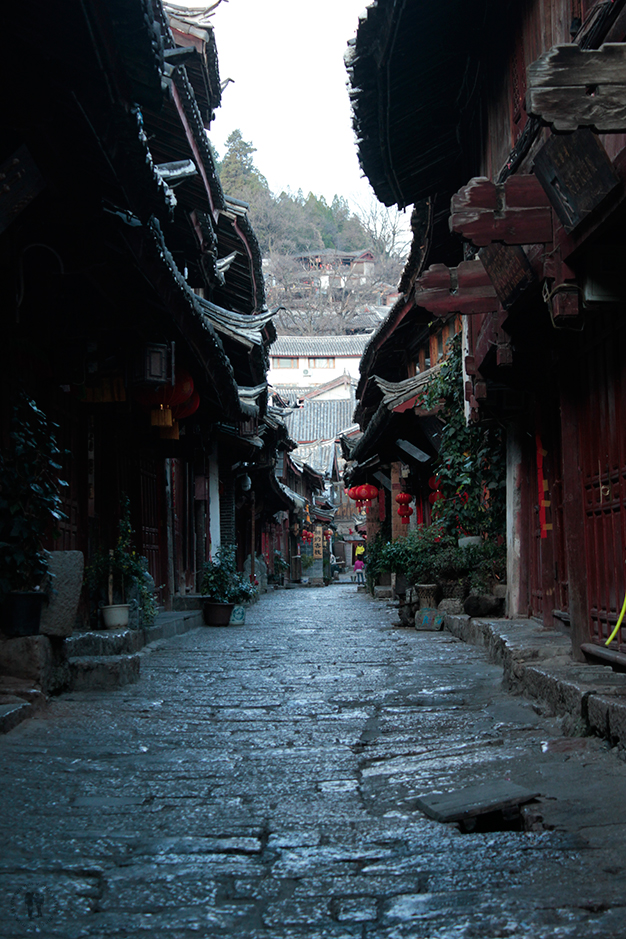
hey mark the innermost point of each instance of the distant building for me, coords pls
(314, 360)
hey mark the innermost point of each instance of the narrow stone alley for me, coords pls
(261, 781)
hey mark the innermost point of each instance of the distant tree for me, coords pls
(292, 226)
(238, 174)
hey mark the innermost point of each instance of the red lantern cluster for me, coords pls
(328, 534)
(436, 494)
(404, 509)
(363, 495)
(307, 536)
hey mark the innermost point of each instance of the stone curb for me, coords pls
(538, 662)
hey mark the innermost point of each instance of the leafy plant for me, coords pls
(110, 574)
(471, 466)
(281, 566)
(30, 500)
(221, 582)
(431, 555)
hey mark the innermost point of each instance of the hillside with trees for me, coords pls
(291, 227)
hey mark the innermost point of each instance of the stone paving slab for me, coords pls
(263, 782)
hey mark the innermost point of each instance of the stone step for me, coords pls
(13, 713)
(104, 642)
(191, 601)
(173, 624)
(103, 672)
(19, 699)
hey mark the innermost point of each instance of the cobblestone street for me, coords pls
(260, 781)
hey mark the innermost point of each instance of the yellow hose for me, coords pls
(619, 623)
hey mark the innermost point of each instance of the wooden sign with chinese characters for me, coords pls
(571, 87)
(577, 175)
(318, 542)
(509, 270)
(20, 182)
(464, 289)
(516, 212)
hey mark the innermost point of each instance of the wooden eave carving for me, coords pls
(569, 87)
(464, 289)
(516, 212)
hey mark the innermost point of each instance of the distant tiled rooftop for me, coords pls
(320, 345)
(319, 420)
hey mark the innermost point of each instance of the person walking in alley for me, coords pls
(359, 567)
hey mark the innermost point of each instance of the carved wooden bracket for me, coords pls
(516, 212)
(570, 87)
(463, 289)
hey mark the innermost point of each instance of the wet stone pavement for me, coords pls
(260, 781)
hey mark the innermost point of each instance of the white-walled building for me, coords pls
(314, 360)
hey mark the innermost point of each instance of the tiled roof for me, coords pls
(320, 455)
(295, 392)
(320, 345)
(319, 420)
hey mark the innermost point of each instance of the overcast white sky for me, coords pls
(289, 96)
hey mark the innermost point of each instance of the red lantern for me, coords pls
(433, 482)
(370, 492)
(403, 498)
(351, 493)
(187, 408)
(405, 511)
(435, 497)
(163, 400)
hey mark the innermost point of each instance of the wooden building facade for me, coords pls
(510, 120)
(133, 300)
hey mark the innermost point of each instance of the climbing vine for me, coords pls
(470, 473)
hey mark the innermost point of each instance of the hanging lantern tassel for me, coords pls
(161, 416)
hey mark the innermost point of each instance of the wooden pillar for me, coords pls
(574, 512)
(398, 530)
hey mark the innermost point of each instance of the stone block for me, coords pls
(457, 625)
(382, 593)
(450, 606)
(57, 618)
(617, 722)
(429, 620)
(598, 715)
(27, 657)
(103, 672)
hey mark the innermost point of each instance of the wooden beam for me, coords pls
(413, 451)
(464, 289)
(570, 87)
(516, 212)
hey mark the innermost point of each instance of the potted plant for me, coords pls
(223, 588)
(111, 573)
(30, 505)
